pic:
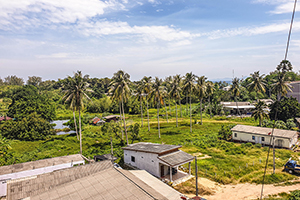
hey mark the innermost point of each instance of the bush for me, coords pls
(225, 133)
(295, 195)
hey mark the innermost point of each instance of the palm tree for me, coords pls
(140, 95)
(68, 85)
(156, 95)
(119, 87)
(257, 83)
(209, 91)
(168, 84)
(188, 87)
(260, 112)
(201, 91)
(175, 92)
(147, 82)
(76, 93)
(235, 91)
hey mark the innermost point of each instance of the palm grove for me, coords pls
(35, 104)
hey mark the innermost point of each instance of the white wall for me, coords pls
(247, 137)
(33, 172)
(143, 160)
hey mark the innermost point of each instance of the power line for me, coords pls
(276, 111)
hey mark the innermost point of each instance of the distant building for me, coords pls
(283, 138)
(160, 160)
(232, 107)
(295, 90)
(111, 118)
(34, 168)
(5, 118)
(227, 88)
(266, 101)
(97, 121)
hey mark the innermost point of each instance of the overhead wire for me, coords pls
(276, 109)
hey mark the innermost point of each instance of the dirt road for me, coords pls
(243, 191)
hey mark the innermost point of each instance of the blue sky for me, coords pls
(54, 38)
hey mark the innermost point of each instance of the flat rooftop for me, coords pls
(151, 147)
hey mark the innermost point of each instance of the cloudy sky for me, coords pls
(54, 38)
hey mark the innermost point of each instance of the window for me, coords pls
(262, 139)
(235, 134)
(253, 137)
(132, 159)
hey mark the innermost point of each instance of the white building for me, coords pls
(29, 169)
(283, 138)
(157, 159)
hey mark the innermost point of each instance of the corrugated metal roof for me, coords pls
(39, 164)
(176, 158)
(108, 183)
(264, 131)
(151, 147)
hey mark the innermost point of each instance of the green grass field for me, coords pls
(229, 163)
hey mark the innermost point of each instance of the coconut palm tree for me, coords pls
(260, 112)
(175, 92)
(201, 91)
(257, 83)
(157, 94)
(140, 96)
(188, 87)
(68, 85)
(147, 85)
(235, 91)
(119, 87)
(76, 93)
(168, 84)
(209, 91)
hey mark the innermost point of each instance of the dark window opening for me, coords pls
(235, 134)
(132, 159)
(253, 137)
(263, 139)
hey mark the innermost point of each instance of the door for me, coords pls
(162, 171)
(256, 139)
(280, 143)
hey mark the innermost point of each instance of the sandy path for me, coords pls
(247, 191)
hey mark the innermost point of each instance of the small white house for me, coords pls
(33, 168)
(283, 138)
(159, 160)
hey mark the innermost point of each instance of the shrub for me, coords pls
(295, 195)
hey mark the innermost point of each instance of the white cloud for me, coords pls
(281, 6)
(248, 31)
(146, 33)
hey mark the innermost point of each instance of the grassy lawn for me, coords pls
(229, 162)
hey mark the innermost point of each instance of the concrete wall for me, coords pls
(247, 137)
(4, 178)
(143, 160)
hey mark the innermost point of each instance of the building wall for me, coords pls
(295, 91)
(143, 160)
(247, 137)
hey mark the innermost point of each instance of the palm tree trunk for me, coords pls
(260, 122)
(201, 110)
(148, 117)
(190, 111)
(124, 122)
(80, 136)
(169, 105)
(187, 104)
(166, 111)
(75, 123)
(141, 111)
(121, 118)
(176, 114)
(237, 107)
(158, 119)
(273, 155)
(180, 108)
(209, 106)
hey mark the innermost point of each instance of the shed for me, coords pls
(111, 117)
(262, 135)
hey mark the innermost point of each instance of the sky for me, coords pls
(218, 39)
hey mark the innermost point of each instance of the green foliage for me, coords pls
(134, 132)
(4, 150)
(30, 128)
(99, 106)
(113, 129)
(287, 108)
(295, 195)
(225, 132)
(26, 100)
(289, 125)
